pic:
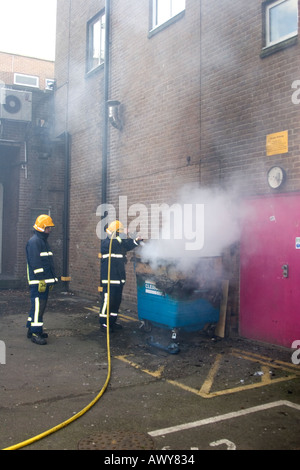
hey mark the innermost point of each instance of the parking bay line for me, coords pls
(226, 416)
(205, 390)
(126, 318)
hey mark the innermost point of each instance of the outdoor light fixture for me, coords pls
(113, 114)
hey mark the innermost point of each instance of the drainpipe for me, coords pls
(105, 116)
(65, 277)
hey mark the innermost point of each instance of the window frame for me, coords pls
(284, 41)
(155, 26)
(23, 83)
(90, 66)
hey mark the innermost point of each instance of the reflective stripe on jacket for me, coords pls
(40, 265)
(119, 248)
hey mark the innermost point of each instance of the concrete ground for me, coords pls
(213, 395)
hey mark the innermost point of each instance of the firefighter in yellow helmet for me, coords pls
(41, 276)
(120, 245)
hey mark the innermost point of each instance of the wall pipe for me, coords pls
(105, 115)
(66, 138)
(65, 266)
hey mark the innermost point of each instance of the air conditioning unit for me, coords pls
(15, 105)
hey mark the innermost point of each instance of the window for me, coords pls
(164, 10)
(95, 42)
(281, 21)
(26, 80)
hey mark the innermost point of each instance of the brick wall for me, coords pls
(79, 109)
(28, 189)
(12, 63)
(246, 97)
(157, 81)
(37, 185)
(197, 102)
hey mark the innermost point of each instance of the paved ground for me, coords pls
(224, 394)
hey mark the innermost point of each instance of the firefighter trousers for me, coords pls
(115, 299)
(38, 305)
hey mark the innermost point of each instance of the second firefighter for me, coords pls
(119, 247)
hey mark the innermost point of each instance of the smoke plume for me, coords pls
(210, 222)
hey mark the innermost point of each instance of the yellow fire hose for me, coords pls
(92, 403)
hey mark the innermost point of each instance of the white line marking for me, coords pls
(217, 419)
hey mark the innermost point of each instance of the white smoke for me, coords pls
(222, 214)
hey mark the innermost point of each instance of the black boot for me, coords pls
(29, 334)
(104, 328)
(38, 339)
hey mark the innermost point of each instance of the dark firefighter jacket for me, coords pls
(40, 264)
(119, 248)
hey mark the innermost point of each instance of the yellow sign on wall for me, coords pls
(277, 143)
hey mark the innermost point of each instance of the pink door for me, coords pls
(270, 270)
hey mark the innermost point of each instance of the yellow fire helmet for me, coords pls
(42, 222)
(115, 226)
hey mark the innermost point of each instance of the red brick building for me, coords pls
(208, 96)
(31, 165)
